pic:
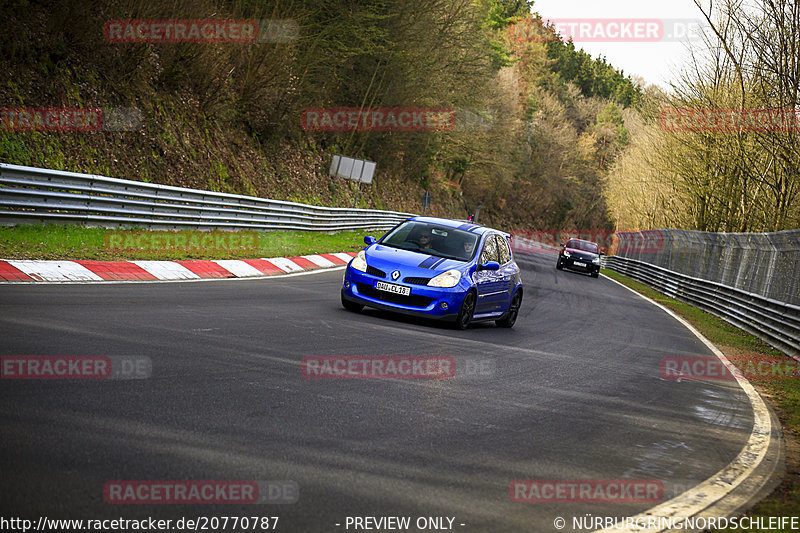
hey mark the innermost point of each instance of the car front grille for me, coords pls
(412, 300)
(587, 262)
(375, 271)
(417, 281)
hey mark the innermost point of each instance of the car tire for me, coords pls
(464, 316)
(595, 274)
(558, 265)
(513, 311)
(351, 306)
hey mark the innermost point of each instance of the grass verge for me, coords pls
(78, 242)
(782, 394)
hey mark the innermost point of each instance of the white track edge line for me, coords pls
(713, 489)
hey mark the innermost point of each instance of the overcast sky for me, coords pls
(654, 61)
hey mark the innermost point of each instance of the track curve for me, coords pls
(575, 393)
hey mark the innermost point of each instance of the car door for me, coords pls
(508, 273)
(487, 281)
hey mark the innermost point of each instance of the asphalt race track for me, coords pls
(574, 392)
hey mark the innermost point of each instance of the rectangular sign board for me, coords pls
(352, 169)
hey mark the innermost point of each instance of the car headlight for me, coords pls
(359, 262)
(566, 253)
(596, 260)
(446, 279)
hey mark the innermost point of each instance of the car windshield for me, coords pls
(432, 239)
(584, 246)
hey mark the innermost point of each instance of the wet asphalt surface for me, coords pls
(572, 392)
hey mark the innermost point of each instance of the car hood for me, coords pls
(589, 256)
(409, 263)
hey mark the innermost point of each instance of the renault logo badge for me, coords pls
(395, 274)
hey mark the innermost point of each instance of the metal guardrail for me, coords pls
(778, 323)
(30, 194)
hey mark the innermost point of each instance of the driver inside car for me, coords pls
(425, 240)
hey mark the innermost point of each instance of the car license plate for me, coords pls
(389, 287)
(579, 264)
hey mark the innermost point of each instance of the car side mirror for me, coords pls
(369, 239)
(489, 265)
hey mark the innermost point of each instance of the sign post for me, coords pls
(358, 170)
(426, 202)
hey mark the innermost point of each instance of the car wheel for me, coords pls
(467, 310)
(513, 311)
(558, 265)
(595, 274)
(351, 306)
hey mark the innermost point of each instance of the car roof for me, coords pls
(581, 240)
(457, 224)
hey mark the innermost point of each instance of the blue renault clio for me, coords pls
(437, 268)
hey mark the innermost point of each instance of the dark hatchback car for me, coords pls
(583, 256)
